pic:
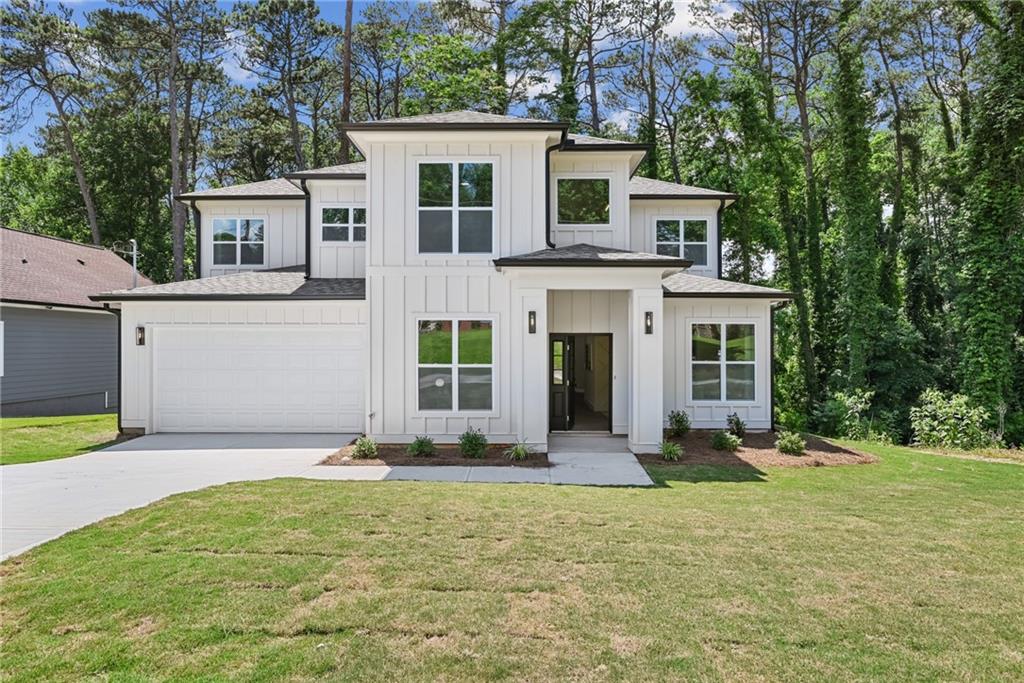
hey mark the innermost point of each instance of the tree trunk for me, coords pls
(177, 209)
(346, 82)
(595, 116)
(76, 161)
(813, 230)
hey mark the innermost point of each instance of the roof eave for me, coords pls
(223, 297)
(303, 175)
(224, 197)
(590, 263)
(426, 125)
(710, 197)
(780, 296)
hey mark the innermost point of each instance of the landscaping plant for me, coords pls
(950, 421)
(790, 443)
(724, 441)
(670, 451)
(518, 451)
(365, 448)
(473, 443)
(421, 447)
(678, 423)
(737, 427)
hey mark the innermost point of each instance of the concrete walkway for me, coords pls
(44, 500)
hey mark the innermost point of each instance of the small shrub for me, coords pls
(365, 448)
(518, 451)
(724, 441)
(473, 443)
(678, 423)
(950, 421)
(849, 416)
(421, 447)
(737, 427)
(790, 443)
(670, 451)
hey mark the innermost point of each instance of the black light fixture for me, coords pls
(531, 322)
(140, 336)
(649, 322)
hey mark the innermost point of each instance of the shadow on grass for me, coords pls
(663, 473)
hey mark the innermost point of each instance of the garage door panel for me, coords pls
(259, 378)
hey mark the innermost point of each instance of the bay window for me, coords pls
(455, 207)
(238, 241)
(683, 237)
(722, 361)
(455, 368)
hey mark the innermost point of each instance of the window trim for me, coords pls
(454, 161)
(351, 206)
(583, 175)
(237, 242)
(682, 218)
(722, 362)
(417, 411)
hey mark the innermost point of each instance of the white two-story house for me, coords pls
(475, 271)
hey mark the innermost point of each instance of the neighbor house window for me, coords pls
(683, 237)
(456, 207)
(584, 201)
(343, 224)
(455, 364)
(722, 361)
(238, 241)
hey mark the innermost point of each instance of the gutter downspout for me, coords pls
(197, 218)
(309, 251)
(547, 187)
(120, 401)
(718, 229)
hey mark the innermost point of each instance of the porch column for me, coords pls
(646, 359)
(530, 363)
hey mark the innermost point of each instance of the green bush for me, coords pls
(365, 448)
(518, 451)
(849, 416)
(473, 443)
(670, 451)
(678, 423)
(421, 447)
(790, 443)
(724, 441)
(737, 427)
(950, 421)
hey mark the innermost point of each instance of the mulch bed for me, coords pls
(447, 454)
(758, 450)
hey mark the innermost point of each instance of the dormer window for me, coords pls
(455, 207)
(685, 237)
(238, 242)
(584, 201)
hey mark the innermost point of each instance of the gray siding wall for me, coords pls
(58, 361)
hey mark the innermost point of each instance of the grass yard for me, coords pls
(31, 439)
(910, 568)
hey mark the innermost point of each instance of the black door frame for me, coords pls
(569, 375)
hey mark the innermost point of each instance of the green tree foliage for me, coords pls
(447, 75)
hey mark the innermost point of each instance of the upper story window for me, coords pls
(584, 201)
(343, 224)
(238, 242)
(456, 207)
(722, 361)
(686, 237)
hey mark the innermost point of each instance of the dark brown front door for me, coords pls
(561, 381)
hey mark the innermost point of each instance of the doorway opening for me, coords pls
(580, 382)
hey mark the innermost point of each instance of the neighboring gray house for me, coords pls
(59, 348)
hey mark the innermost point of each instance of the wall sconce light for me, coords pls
(531, 322)
(649, 322)
(140, 336)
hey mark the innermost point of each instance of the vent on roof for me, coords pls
(80, 261)
(24, 260)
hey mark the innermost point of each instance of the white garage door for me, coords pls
(259, 378)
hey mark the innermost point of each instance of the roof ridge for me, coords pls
(58, 239)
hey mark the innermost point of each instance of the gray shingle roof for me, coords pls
(355, 169)
(591, 255)
(686, 285)
(449, 118)
(648, 188)
(584, 140)
(266, 284)
(40, 269)
(278, 188)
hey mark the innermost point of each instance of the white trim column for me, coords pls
(646, 359)
(529, 358)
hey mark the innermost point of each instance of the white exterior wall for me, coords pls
(598, 312)
(335, 259)
(138, 362)
(284, 232)
(680, 313)
(644, 212)
(614, 167)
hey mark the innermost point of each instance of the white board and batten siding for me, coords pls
(643, 213)
(295, 366)
(335, 259)
(614, 167)
(284, 232)
(680, 314)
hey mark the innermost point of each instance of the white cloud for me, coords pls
(685, 24)
(621, 118)
(233, 61)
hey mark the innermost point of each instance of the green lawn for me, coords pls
(907, 569)
(30, 439)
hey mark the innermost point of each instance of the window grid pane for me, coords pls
(464, 385)
(722, 362)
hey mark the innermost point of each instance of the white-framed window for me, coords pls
(723, 361)
(685, 237)
(455, 207)
(454, 364)
(238, 242)
(583, 200)
(343, 224)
